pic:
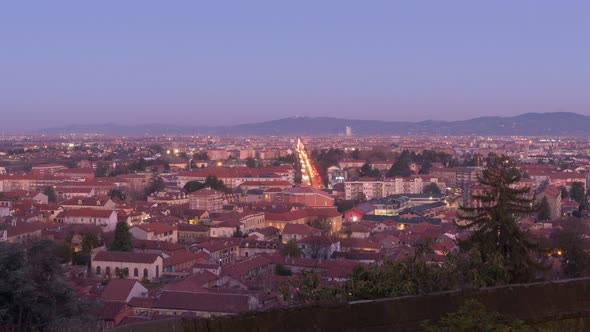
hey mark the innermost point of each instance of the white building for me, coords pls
(389, 186)
(103, 218)
(130, 265)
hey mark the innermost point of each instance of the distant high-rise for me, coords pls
(348, 131)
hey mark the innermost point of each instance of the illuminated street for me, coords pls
(309, 174)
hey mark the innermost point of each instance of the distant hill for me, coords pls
(530, 124)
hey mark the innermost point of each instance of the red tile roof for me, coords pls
(277, 183)
(156, 227)
(179, 257)
(268, 231)
(194, 283)
(206, 192)
(90, 213)
(155, 245)
(122, 256)
(306, 190)
(286, 216)
(22, 227)
(300, 229)
(243, 268)
(205, 302)
(118, 289)
(86, 201)
(193, 228)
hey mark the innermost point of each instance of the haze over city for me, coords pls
(263, 166)
(66, 62)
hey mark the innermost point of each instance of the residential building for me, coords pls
(155, 231)
(107, 219)
(206, 199)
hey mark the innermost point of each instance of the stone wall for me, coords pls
(553, 306)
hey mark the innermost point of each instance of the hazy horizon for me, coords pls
(141, 62)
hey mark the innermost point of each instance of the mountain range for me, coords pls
(529, 124)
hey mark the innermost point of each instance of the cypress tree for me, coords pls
(122, 241)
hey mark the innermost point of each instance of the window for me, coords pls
(107, 271)
(135, 272)
(98, 270)
(145, 273)
(157, 271)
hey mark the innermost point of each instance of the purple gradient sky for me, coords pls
(212, 62)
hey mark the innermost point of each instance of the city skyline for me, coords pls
(208, 64)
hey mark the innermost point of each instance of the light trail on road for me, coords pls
(309, 173)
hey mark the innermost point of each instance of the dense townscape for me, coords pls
(101, 231)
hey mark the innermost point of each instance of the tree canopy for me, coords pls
(238, 232)
(122, 241)
(210, 182)
(571, 246)
(50, 192)
(400, 167)
(34, 294)
(578, 194)
(431, 188)
(117, 194)
(544, 210)
(473, 316)
(344, 205)
(250, 162)
(368, 171)
(291, 249)
(102, 169)
(155, 184)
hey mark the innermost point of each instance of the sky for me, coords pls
(230, 62)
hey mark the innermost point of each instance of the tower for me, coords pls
(348, 131)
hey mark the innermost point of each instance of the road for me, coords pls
(310, 175)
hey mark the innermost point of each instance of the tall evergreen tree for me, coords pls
(122, 241)
(366, 169)
(564, 192)
(156, 184)
(102, 169)
(544, 210)
(50, 192)
(578, 194)
(495, 232)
